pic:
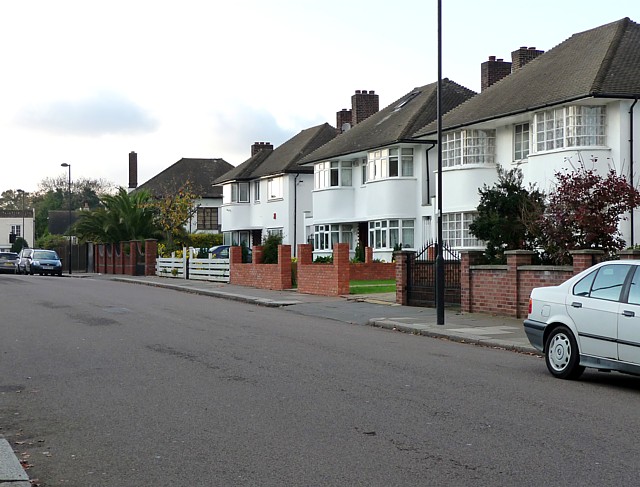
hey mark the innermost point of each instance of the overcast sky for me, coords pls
(86, 82)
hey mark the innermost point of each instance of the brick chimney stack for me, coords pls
(492, 71)
(133, 170)
(260, 146)
(343, 120)
(363, 104)
(523, 55)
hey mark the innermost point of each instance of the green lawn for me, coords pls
(370, 287)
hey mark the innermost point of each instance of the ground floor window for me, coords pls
(275, 231)
(391, 234)
(455, 230)
(238, 237)
(207, 218)
(325, 236)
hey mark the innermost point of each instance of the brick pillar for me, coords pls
(468, 258)
(284, 266)
(583, 259)
(256, 257)
(515, 258)
(341, 264)
(150, 256)
(121, 259)
(368, 255)
(132, 260)
(401, 275)
(108, 268)
(99, 258)
(305, 254)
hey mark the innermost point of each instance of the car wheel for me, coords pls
(561, 354)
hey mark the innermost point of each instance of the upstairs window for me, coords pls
(256, 191)
(573, 126)
(333, 174)
(520, 141)
(468, 147)
(275, 188)
(389, 163)
(235, 193)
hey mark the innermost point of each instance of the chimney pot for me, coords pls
(492, 58)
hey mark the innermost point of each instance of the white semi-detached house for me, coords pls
(374, 184)
(576, 102)
(270, 193)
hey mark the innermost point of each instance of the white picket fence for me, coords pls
(202, 269)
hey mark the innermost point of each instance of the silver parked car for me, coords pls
(23, 258)
(8, 262)
(590, 320)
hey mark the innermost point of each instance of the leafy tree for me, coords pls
(172, 210)
(584, 212)
(506, 215)
(19, 244)
(124, 216)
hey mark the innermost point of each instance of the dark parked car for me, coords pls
(44, 262)
(23, 258)
(8, 261)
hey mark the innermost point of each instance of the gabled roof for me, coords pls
(201, 173)
(394, 123)
(283, 159)
(601, 62)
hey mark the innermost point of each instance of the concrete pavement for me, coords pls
(377, 310)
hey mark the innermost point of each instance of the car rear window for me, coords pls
(8, 256)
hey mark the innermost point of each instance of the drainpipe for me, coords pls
(295, 213)
(631, 163)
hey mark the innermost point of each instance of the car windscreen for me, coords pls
(45, 255)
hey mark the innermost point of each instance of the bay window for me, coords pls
(572, 126)
(332, 174)
(389, 234)
(326, 235)
(389, 163)
(468, 147)
(455, 230)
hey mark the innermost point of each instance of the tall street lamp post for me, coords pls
(22, 232)
(64, 164)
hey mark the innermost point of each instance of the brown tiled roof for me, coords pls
(601, 62)
(395, 122)
(284, 158)
(201, 173)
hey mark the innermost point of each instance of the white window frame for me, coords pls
(16, 230)
(256, 191)
(455, 230)
(325, 235)
(386, 234)
(332, 174)
(471, 146)
(275, 188)
(570, 126)
(392, 162)
(521, 141)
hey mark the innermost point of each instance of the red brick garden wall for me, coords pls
(324, 279)
(259, 275)
(505, 289)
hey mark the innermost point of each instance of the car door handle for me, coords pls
(628, 313)
(576, 304)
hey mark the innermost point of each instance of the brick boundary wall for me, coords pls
(259, 275)
(324, 279)
(505, 289)
(108, 260)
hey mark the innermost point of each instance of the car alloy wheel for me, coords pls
(562, 355)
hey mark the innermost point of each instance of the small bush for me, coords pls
(328, 259)
(270, 248)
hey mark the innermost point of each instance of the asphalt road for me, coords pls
(113, 384)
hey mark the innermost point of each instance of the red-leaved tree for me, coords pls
(584, 211)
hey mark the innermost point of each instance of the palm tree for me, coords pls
(123, 216)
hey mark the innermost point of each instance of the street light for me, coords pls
(64, 164)
(22, 232)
